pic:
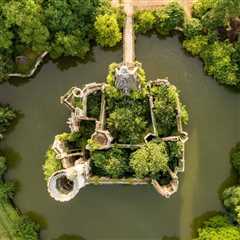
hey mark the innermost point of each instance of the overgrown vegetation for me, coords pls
(212, 34)
(162, 21)
(30, 27)
(13, 225)
(225, 226)
(51, 164)
(7, 116)
(150, 160)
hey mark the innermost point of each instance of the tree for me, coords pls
(201, 7)
(107, 30)
(192, 28)
(235, 157)
(149, 160)
(6, 66)
(219, 64)
(51, 164)
(6, 190)
(169, 18)
(111, 163)
(26, 16)
(231, 201)
(218, 228)
(196, 44)
(126, 126)
(69, 45)
(25, 228)
(165, 105)
(71, 26)
(7, 115)
(144, 21)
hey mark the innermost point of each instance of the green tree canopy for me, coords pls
(169, 18)
(218, 228)
(149, 160)
(231, 201)
(25, 228)
(126, 125)
(144, 21)
(235, 157)
(26, 17)
(7, 115)
(111, 163)
(107, 30)
(7, 190)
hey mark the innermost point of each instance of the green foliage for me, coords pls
(196, 44)
(144, 21)
(126, 125)
(169, 18)
(175, 151)
(7, 189)
(218, 63)
(149, 160)
(235, 157)
(7, 115)
(111, 163)
(69, 45)
(107, 30)
(184, 115)
(200, 7)
(70, 28)
(51, 164)
(231, 201)
(218, 228)
(165, 108)
(192, 28)
(3, 166)
(27, 18)
(25, 228)
(94, 104)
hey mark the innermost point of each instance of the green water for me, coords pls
(123, 212)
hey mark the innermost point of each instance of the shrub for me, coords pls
(200, 7)
(218, 63)
(196, 44)
(51, 164)
(165, 108)
(25, 228)
(144, 21)
(111, 163)
(7, 115)
(235, 157)
(169, 18)
(192, 28)
(231, 201)
(219, 228)
(149, 160)
(7, 189)
(107, 30)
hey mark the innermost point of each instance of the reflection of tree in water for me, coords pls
(69, 237)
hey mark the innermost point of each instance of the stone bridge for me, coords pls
(128, 35)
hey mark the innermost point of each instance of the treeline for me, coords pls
(61, 27)
(226, 226)
(13, 225)
(212, 34)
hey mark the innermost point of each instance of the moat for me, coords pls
(214, 116)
